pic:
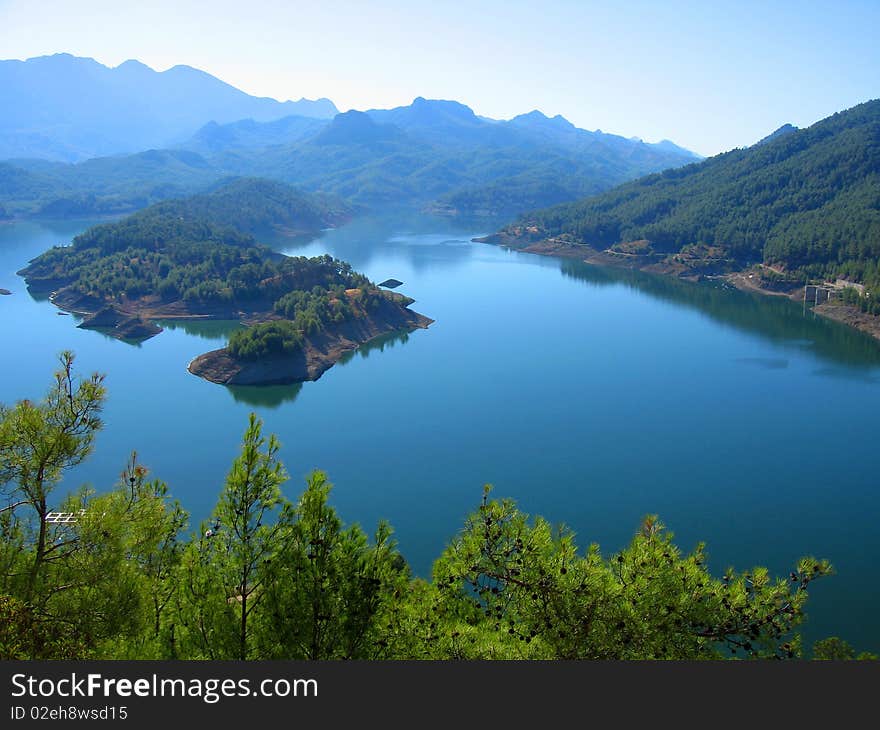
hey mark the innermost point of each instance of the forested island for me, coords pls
(191, 258)
(801, 206)
(121, 575)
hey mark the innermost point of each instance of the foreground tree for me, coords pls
(836, 649)
(222, 571)
(329, 586)
(267, 579)
(40, 441)
(522, 587)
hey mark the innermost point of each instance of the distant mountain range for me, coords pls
(67, 108)
(149, 136)
(432, 153)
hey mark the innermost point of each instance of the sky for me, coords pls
(710, 76)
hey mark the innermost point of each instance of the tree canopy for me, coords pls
(807, 202)
(269, 578)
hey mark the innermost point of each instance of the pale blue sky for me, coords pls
(708, 75)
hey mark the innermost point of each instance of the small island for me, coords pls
(173, 261)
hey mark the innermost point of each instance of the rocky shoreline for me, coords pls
(744, 279)
(318, 354)
(133, 321)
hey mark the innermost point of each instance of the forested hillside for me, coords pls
(197, 250)
(805, 201)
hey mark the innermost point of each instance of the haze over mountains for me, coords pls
(184, 130)
(62, 107)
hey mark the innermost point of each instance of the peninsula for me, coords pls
(759, 217)
(175, 261)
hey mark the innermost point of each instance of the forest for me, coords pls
(194, 251)
(124, 574)
(805, 202)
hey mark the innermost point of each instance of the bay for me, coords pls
(591, 396)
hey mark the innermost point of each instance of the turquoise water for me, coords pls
(590, 396)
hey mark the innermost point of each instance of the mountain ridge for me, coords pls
(71, 108)
(803, 205)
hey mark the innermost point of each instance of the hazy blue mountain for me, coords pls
(356, 128)
(249, 134)
(430, 153)
(542, 124)
(444, 123)
(68, 108)
(102, 185)
(560, 131)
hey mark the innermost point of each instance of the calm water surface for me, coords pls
(592, 397)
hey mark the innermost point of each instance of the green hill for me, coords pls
(196, 248)
(806, 202)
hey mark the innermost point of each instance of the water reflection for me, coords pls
(425, 243)
(265, 396)
(376, 344)
(206, 329)
(777, 319)
(767, 363)
(273, 396)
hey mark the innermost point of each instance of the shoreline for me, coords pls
(319, 353)
(748, 280)
(135, 321)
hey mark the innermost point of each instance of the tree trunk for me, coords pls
(40, 552)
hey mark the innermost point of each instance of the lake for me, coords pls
(591, 396)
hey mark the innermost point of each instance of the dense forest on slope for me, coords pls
(104, 185)
(195, 249)
(431, 152)
(806, 202)
(255, 205)
(125, 576)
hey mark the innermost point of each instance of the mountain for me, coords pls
(356, 128)
(103, 185)
(806, 202)
(439, 153)
(781, 132)
(440, 122)
(432, 153)
(247, 134)
(255, 205)
(68, 108)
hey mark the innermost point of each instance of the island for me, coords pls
(391, 283)
(174, 260)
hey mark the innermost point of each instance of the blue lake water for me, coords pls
(592, 397)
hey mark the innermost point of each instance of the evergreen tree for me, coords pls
(40, 441)
(224, 580)
(329, 586)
